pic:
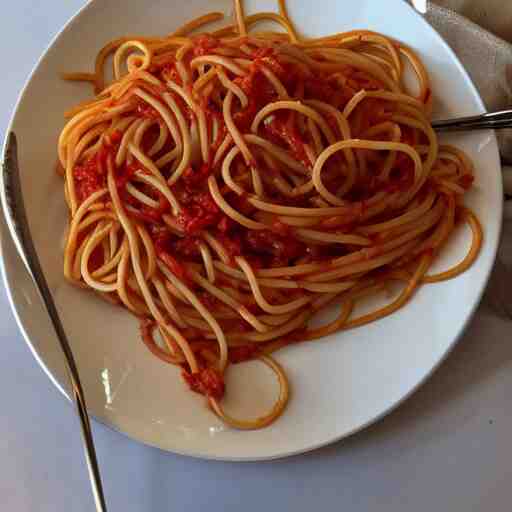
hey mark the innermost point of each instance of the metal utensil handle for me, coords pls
(491, 120)
(16, 207)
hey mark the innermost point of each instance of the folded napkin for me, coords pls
(487, 58)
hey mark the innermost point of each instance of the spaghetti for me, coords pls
(225, 187)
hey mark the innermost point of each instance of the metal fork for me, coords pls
(487, 121)
(21, 233)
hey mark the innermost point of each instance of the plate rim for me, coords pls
(7, 227)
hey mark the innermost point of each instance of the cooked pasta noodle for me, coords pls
(227, 186)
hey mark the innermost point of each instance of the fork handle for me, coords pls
(488, 121)
(21, 232)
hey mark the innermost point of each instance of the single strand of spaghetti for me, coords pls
(102, 56)
(240, 18)
(298, 221)
(216, 246)
(402, 219)
(160, 352)
(220, 61)
(363, 266)
(257, 184)
(145, 76)
(310, 152)
(119, 54)
(207, 261)
(404, 297)
(211, 74)
(298, 321)
(317, 138)
(109, 265)
(474, 250)
(229, 301)
(384, 95)
(73, 230)
(125, 141)
(298, 107)
(119, 124)
(147, 242)
(234, 88)
(76, 274)
(278, 153)
(167, 302)
(210, 319)
(167, 158)
(272, 16)
(395, 136)
(226, 174)
(228, 210)
(267, 419)
(426, 128)
(160, 142)
(185, 137)
(162, 187)
(267, 283)
(327, 287)
(284, 13)
(280, 89)
(122, 279)
(337, 238)
(143, 198)
(86, 140)
(419, 70)
(100, 233)
(334, 326)
(95, 216)
(233, 130)
(196, 23)
(262, 303)
(79, 77)
(282, 186)
(226, 143)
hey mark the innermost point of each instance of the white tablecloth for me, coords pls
(448, 448)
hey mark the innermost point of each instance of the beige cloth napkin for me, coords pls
(487, 57)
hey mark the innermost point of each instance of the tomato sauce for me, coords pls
(207, 381)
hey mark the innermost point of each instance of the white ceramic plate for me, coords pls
(340, 384)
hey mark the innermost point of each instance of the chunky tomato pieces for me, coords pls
(242, 354)
(207, 381)
(200, 213)
(89, 178)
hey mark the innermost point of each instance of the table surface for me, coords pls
(447, 448)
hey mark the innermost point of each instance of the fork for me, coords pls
(488, 121)
(20, 231)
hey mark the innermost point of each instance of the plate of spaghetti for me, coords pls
(257, 243)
